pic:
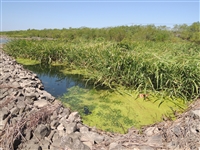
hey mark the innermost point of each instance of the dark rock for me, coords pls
(45, 145)
(31, 145)
(63, 121)
(77, 144)
(21, 97)
(4, 112)
(2, 123)
(21, 111)
(84, 130)
(46, 96)
(15, 111)
(86, 110)
(54, 124)
(74, 135)
(29, 100)
(56, 144)
(54, 116)
(89, 144)
(74, 116)
(51, 135)
(20, 104)
(56, 136)
(92, 137)
(172, 145)
(28, 134)
(3, 95)
(41, 131)
(16, 85)
(115, 146)
(65, 113)
(155, 139)
(3, 91)
(196, 113)
(30, 95)
(41, 103)
(29, 90)
(10, 105)
(60, 127)
(146, 148)
(72, 142)
(177, 131)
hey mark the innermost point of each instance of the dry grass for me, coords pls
(15, 132)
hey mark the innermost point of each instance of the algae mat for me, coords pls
(118, 110)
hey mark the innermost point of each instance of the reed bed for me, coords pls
(172, 69)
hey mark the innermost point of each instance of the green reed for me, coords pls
(172, 68)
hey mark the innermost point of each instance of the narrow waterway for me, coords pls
(54, 81)
(109, 110)
(3, 40)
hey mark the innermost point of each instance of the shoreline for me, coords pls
(24, 102)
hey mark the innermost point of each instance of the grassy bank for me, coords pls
(166, 68)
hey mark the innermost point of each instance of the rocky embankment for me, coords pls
(32, 119)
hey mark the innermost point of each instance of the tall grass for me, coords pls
(162, 67)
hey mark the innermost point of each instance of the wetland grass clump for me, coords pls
(163, 67)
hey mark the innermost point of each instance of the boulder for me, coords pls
(71, 127)
(41, 131)
(84, 130)
(4, 113)
(115, 146)
(151, 130)
(155, 139)
(77, 144)
(74, 116)
(92, 137)
(41, 103)
(14, 111)
(196, 113)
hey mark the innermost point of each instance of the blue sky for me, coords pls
(35, 14)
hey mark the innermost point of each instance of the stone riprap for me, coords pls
(32, 119)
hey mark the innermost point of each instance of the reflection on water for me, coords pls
(54, 81)
(110, 110)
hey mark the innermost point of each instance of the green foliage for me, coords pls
(118, 34)
(144, 33)
(190, 33)
(159, 66)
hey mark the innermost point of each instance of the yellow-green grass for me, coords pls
(118, 109)
(27, 61)
(168, 67)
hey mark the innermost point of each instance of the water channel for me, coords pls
(3, 40)
(54, 81)
(110, 110)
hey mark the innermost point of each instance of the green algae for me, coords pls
(24, 61)
(118, 110)
(115, 110)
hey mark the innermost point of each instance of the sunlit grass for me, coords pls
(27, 61)
(164, 67)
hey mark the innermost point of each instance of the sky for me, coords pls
(51, 14)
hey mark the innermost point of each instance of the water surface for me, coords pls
(54, 81)
(3, 40)
(109, 110)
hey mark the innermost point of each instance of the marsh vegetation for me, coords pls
(127, 61)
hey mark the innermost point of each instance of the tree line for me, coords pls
(119, 33)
